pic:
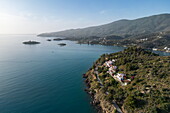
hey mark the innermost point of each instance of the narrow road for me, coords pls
(97, 74)
(114, 103)
(117, 107)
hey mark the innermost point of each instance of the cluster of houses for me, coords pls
(112, 70)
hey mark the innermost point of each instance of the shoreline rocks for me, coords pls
(96, 101)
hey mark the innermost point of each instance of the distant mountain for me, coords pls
(123, 28)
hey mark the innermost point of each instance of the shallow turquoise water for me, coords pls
(45, 78)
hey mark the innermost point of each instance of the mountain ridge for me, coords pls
(123, 27)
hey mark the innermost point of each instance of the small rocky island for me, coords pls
(31, 42)
(62, 44)
(130, 81)
(48, 39)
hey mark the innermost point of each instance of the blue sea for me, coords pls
(46, 78)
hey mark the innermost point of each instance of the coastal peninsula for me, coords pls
(130, 81)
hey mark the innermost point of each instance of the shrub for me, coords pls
(131, 102)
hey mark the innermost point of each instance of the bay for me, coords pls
(45, 78)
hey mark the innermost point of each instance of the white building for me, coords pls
(155, 49)
(108, 63)
(165, 47)
(120, 76)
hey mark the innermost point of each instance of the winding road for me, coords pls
(114, 103)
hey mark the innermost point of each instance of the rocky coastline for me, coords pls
(93, 102)
(99, 104)
(122, 82)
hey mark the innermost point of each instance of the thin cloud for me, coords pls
(103, 12)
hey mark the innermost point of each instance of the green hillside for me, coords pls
(123, 28)
(145, 88)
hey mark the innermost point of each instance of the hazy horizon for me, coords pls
(34, 17)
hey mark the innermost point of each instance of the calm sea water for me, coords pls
(45, 78)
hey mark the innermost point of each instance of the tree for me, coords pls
(109, 97)
(131, 102)
(130, 67)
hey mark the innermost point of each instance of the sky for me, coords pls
(38, 16)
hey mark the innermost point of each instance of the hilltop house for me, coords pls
(109, 63)
(120, 76)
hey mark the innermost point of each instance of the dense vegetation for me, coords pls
(149, 90)
(158, 40)
(155, 40)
